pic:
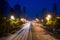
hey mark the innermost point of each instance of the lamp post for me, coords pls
(49, 20)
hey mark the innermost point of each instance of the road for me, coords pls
(31, 31)
(22, 34)
(38, 33)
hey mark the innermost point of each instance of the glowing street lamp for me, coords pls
(22, 19)
(48, 17)
(12, 17)
(37, 20)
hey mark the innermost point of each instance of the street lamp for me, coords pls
(37, 20)
(48, 17)
(12, 17)
(22, 19)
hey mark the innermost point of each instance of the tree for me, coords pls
(44, 12)
(44, 15)
(24, 12)
(4, 7)
(57, 22)
(17, 10)
(54, 8)
(36, 16)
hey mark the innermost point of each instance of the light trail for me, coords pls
(22, 34)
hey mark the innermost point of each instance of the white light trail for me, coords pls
(22, 34)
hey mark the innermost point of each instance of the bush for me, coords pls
(7, 25)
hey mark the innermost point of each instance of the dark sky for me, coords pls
(35, 6)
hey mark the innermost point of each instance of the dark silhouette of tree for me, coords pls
(44, 12)
(4, 8)
(37, 16)
(17, 10)
(54, 8)
(24, 12)
(11, 11)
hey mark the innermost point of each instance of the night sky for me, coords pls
(35, 6)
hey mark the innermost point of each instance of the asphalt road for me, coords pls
(22, 34)
(38, 33)
(31, 31)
